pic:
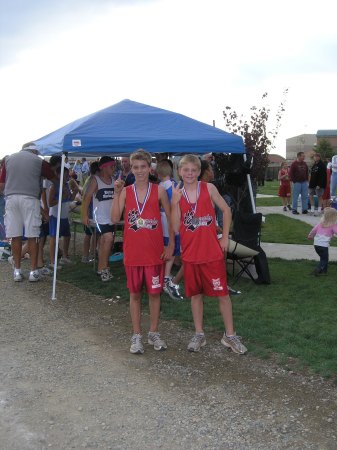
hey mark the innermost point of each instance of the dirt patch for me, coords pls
(69, 381)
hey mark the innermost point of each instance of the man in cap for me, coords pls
(21, 181)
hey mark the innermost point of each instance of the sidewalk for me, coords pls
(291, 251)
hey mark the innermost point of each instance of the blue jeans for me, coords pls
(333, 184)
(300, 188)
(323, 253)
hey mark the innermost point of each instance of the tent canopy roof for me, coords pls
(126, 126)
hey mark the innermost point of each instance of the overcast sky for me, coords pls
(63, 59)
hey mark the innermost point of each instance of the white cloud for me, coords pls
(192, 57)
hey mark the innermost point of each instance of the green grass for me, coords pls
(293, 317)
(269, 201)
(281, 229)
(269, 188)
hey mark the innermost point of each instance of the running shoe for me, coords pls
(65, 260)
(17, 275)
(155, 340)
(172, 290)
(34, 275)
(86, 259)
(106, 275)
(51, 267)
(45, 271)
(234, 343)
(136, 344)
(197, 341)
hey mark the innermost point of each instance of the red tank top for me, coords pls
(198, 235)
(143, 234)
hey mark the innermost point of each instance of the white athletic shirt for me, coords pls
(102, 201)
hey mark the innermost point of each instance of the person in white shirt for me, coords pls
(333, 180)
(85, 170)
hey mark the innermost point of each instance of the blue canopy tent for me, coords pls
(126, 126)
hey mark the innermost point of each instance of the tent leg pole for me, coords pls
(58, 228)
(249, 182)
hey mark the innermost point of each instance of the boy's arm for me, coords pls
(87, 199)
(118, 202)
(165, 203)
(175, 208)
(226, 211)
(2, 179)
(45, 209)
(52, 200)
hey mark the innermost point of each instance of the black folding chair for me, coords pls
(247, 232)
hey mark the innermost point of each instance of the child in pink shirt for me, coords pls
(322, 234)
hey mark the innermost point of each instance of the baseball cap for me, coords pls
(30, 146)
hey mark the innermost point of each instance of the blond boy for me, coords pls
(193, 216)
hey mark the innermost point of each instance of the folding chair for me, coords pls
(247, 232)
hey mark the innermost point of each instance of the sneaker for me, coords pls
(197, 341)
(11, 261)
(136, 344)
(17, 275)
(234, 343)
(106, 275)
(233, 291)
(34, 275)
(52, 265)
(284, 208)
(86, 259)
(289, 207)
(65, 260)
(172, 290)
(316, 213)
(305, 211)
(295, 212)
(44, 271)
(155, 340)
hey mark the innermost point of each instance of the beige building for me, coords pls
(303, 143)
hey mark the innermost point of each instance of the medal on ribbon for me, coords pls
(140, 222)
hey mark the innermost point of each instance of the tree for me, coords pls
(325, 149)
(257, 139)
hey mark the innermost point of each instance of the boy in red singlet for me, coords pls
(193, 215)
(143, 248)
